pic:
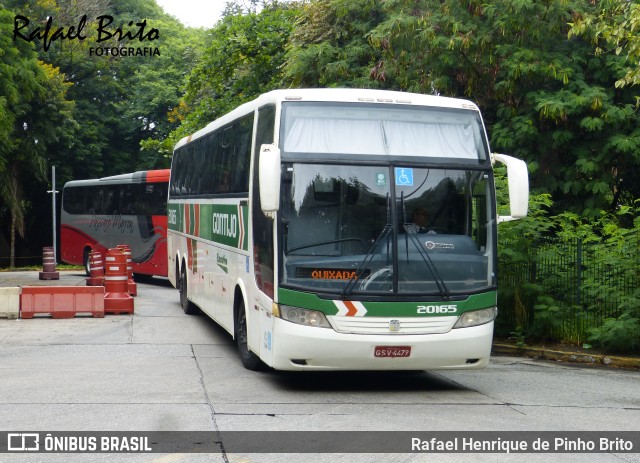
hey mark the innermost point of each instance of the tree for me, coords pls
(329, 45)
(111, 105)
(614, 28)
(545, 96)
(155, 91)
(243, 58)
(35, 113)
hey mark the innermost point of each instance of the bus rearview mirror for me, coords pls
(518, 179)
(269, 179)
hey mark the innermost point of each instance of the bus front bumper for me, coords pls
(297, 347)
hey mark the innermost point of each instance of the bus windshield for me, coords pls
(378, 130)
(354, 229)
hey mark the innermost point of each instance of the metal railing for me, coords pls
(561, 289)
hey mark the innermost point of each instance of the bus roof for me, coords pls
(141, 176)
(345, 95)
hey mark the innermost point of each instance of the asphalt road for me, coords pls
(161, 370)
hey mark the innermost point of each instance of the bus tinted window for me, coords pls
(128, 199)
(215, 164)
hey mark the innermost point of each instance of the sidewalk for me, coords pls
(31, 278)
(567, 354)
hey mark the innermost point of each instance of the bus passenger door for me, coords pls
(262, 331)
(222, 289)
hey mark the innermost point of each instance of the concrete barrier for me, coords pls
(9, 302)
(62, 301)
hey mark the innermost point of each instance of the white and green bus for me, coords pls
(343, 229)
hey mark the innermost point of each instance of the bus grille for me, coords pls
(390, 325)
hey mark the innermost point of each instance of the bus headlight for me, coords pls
(476, 317)
(303, 316)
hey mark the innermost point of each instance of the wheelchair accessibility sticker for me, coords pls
(404, 176)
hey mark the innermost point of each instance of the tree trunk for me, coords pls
(17, 223)
(12, 252)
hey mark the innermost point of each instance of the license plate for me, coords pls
(392, 351)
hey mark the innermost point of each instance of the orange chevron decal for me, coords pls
(350, 309)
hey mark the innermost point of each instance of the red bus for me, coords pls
(123, 209)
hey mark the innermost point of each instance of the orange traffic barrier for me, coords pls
(62, 301)
(49, 265)
(131, 284)
(96, 269)
(117, 299)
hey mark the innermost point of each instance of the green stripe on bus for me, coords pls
(389, 308)
(175, 216)
(219, 223)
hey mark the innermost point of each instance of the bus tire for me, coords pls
(189, 307)
(249, 360)
(85, 260)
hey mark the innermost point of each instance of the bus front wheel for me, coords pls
(249, 360)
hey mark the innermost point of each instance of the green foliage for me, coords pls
(547, 97)
(329, 47)
(120, 101)
(518, 291)
(155, 90)
(621, 335)
(34, 115)
(243, 58)
(614, 28)
(576, 286)
(33, 104)
(548, 318)
(82, 113)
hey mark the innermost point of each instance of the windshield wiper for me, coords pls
(411, 233)
(348, 289)
(442, 286)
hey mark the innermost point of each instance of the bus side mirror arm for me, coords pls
(518, 178)
(269, 179)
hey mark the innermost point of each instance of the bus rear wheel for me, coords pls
(85, 260)
(188, 306)
(249, 360)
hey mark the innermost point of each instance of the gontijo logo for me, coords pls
(225, 224)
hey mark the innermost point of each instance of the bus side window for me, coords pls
(240, 180)
(110, 203)
(222, 159)
(179, 172)
(209, 165)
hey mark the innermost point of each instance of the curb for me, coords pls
(562, 356)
